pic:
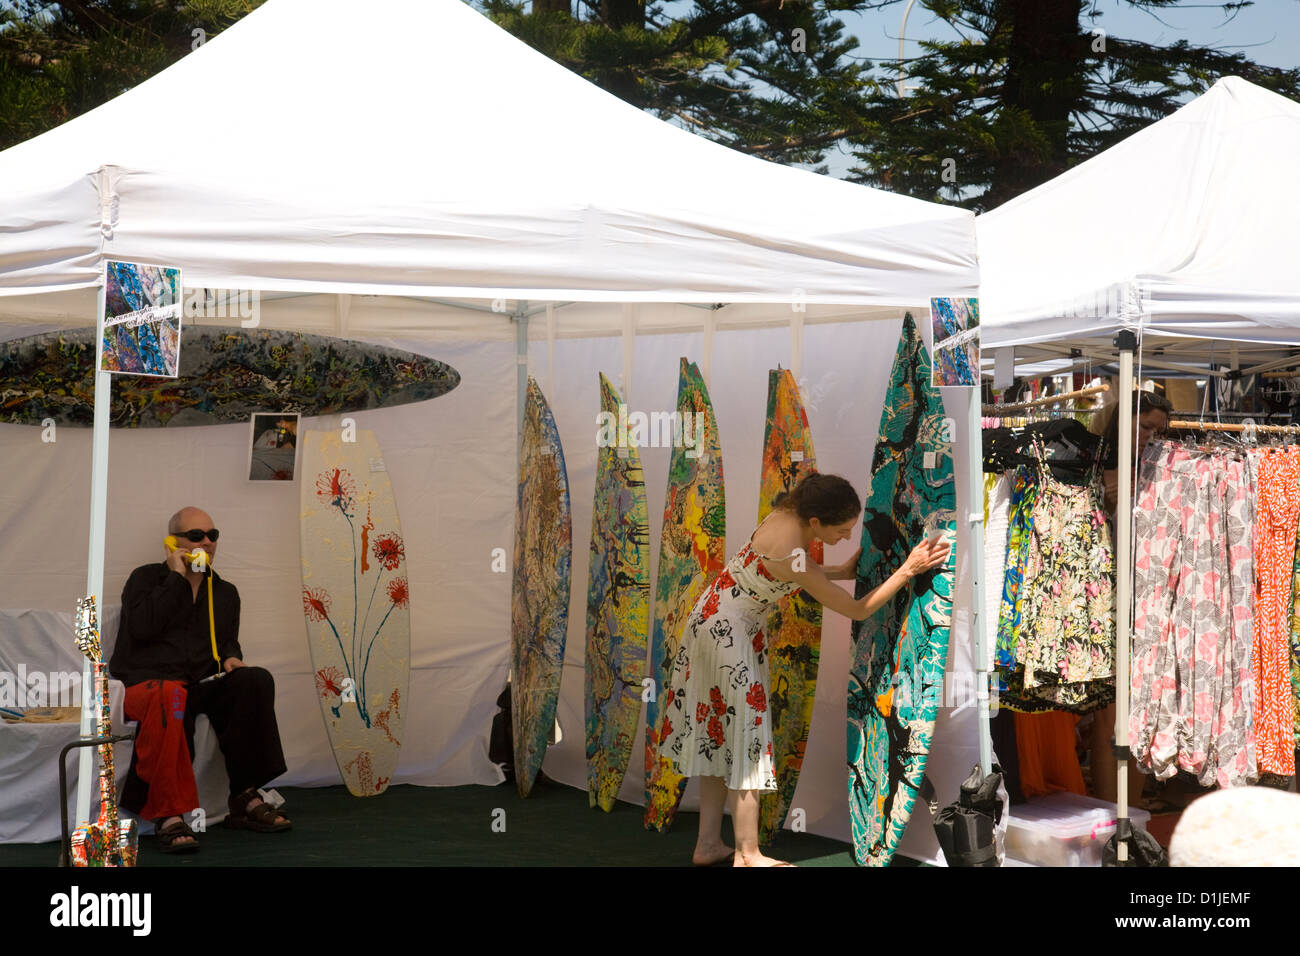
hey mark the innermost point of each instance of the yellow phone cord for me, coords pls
(212, 624)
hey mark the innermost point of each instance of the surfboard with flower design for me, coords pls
(356, 601)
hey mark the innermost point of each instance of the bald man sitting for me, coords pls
(178, 654)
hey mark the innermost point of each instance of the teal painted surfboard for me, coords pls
(898, 655)
(540, 593)
(618, 606)
(692, 552)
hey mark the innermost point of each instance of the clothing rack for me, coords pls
(1000, 410)
(1231, 427)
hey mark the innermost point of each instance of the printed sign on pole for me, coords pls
(956, 324)
(142, 319)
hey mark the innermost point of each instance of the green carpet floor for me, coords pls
(453, 826)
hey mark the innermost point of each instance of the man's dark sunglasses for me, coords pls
(196, 535)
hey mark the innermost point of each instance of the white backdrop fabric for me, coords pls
(42, 641)
(1183, 229)
(452, 464)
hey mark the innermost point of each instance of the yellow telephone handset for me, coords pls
(198, 558)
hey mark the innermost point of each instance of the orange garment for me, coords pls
(1276, 512)
(1049, 762)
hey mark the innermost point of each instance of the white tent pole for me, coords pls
(521, 393)
(550, 348)
(796, 346)
(975, 525)
(342, 309)
(706, 361)
(1127, 343)
(629, 349)
(521, 373)
(95, 553)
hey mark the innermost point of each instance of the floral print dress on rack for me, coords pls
(715, 714)
(1067, 644)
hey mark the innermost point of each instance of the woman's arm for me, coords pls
(817, 583)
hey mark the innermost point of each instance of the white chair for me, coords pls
(41, 642)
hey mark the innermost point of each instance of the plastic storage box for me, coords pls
(1063, 829)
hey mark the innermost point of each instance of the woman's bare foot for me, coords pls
(711, 854)
(758, 859)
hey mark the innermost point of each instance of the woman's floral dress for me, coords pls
(715, 716)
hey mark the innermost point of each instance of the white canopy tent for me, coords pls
(1180, 239)
(434, 197)
(1183, 229)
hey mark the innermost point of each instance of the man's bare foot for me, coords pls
(758, 859)
(711, 854)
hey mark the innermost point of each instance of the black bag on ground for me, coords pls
(967, 829)
(501, 745)
(1143, 850)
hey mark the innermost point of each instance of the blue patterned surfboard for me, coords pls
(899, 654)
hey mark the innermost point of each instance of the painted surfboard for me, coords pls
(794, 630)
(692, 552)
(226, 374)
(356, 599)
(899, 654)
(540, 596)
(618, 605)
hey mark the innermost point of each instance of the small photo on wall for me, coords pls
(274, 446)
(956, 324)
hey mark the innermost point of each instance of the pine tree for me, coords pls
(59, 60)
(775, 78)
(1030, 89)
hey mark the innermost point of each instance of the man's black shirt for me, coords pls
(164, 633)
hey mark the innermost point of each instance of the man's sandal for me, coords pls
(179, 830)
(260, 819)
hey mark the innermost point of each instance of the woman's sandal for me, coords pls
(260, 819)
(179, 830)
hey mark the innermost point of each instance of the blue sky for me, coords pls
(1267, 33)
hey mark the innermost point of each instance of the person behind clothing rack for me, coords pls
(1151, 416)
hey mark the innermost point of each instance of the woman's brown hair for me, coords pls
(828, 498)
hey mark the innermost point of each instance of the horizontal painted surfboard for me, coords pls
(226, 374)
